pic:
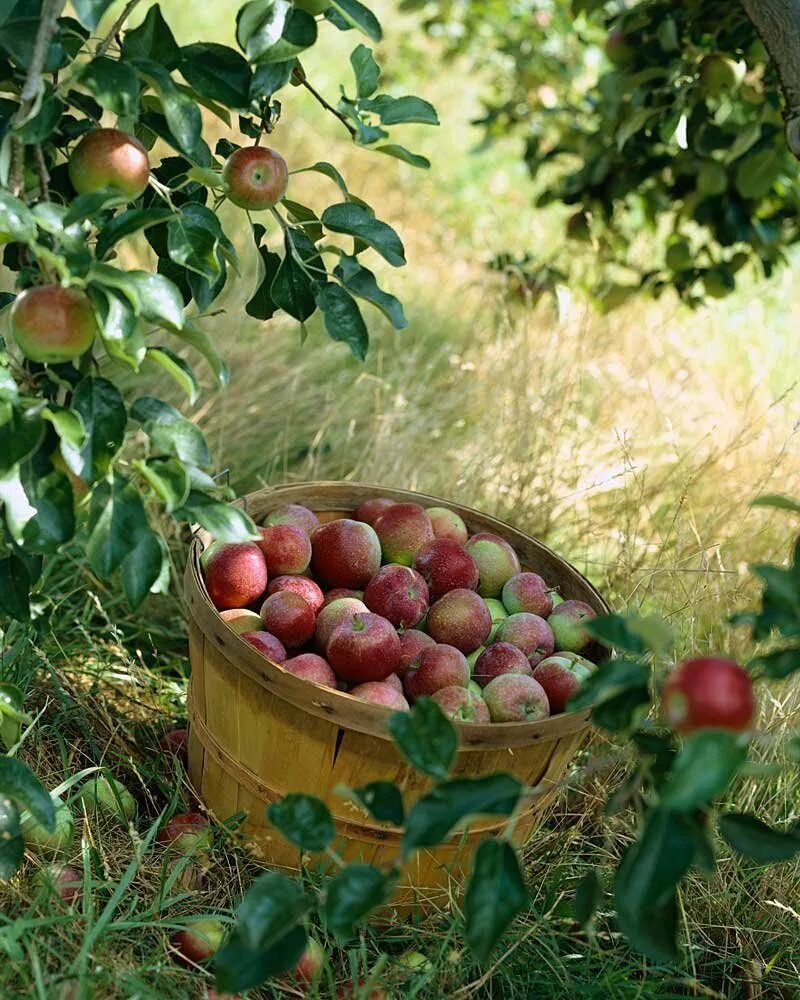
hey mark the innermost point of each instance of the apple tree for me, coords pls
(669, 131)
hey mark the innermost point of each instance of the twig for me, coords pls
(42, 172)
(16, 167)
(102, 48)
(301, 78)
(51, 11)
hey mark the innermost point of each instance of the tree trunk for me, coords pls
(778, 24)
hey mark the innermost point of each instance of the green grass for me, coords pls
(631, 443)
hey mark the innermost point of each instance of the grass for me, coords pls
(631, 443)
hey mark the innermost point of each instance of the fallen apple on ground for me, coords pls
(109, 796)
(57, 841)
(199, 942)
(186, 833)
(63, 881)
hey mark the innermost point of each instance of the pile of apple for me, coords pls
(397, 603)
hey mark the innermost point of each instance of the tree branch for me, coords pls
(48, 25)
(778, 24)
(102, 48)
(300, 77)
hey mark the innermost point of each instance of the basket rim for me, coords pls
(339, 707)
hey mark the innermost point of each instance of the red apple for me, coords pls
(302, 585)
(561, 675)
(336, 592)
(52, 324)
(186, 833)
(516, 698)
(461, 705)
(107, 158)
(333, 615)
(393, 680)
(412, 642)
(500, 658)
(286, 548)
(439, 666)
(381, 693)
(287, 616)
(399, 594)
(255, 178)
(566, 621)
(370, 510)
(174, 744)
(530, 633)
(527, 592)
(403, 529)
(236, 573)
(241, 620)
(358, 991)
(311, 963)
(709, 692)
(345, 553)
(496, 560)
(293, 513)
(199, 942)
(446, 565)
(267, 644)
(460, 619)
(447, 524)
(312, 668)
(365, 648)
(63, 881)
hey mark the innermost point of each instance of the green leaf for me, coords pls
(192, 240)
(401, 153)
(343, 319)
(304, 820)
(101, 408)
(367, 71)
(613, 630)
(87, 206)
(119, 325)
(15, 585)
(351, 896)
(780, 663)
(292, 288)
(181, 112)
(401, 110)
(116, 518)
(225, 522)
(18, 39)
(269, 78)
(434, 815)
(12, 846)
(40, 510)
(703, 769)
(328, 170)
(274, 31)
(128, 223)
(261, 305)
(362, 282)
(203, 343)
(495, 895)
(383, 801)
(426, 738)
(177, 369)
(218, 73)
(160, 299)
(240, 968)
(91, 11)
(21, 785)
(12, 715)
(170, 432)
(20, 436)
(113, 84)
(16, 219)
(777, 501)
(587, 898)
(67, 424)
(754, 839)
(152, 39)
(756, 174)
(611, 679)
(305, 218)
(143, 566)
(43, 123)
(645, 884)
(272, 904)
(356, 15)
(168, 478)
(360, 222)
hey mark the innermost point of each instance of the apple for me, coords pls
(566, 622)
(446, 565)
(393, 680)
(718, 73)
(311, 667)
(414, 961)
(255, 178)
(267, 644)
(108, 158)
(370, 510)
(516, 698)
(109, 796)
(286, 548)
(399, 594)
(63, 881)
(496, 561)
(235, 572)
(412, 643)
(402, 530)
(498, 612)
(530, 633)
(174, 744)
(336, 592)
(55, 841)
(241, 619)
(461, 704)
(311, 963)
(364, 648)
(186, 833)
(52, 324)
(381, 693)
(447, 524)
(500, 658)
(358, 991)
(561, 675)
(293, 513)
(302, 585)
(439, 666)
(345, 553)
(527, 592)
(460, 619)
(335, 614)
(709, 692)
(618, 48)
(199, 942)
(287, 616)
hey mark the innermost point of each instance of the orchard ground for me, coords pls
(631, 443)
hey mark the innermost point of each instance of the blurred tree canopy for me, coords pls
(660, 124)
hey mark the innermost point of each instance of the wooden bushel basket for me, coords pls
(257, 732)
